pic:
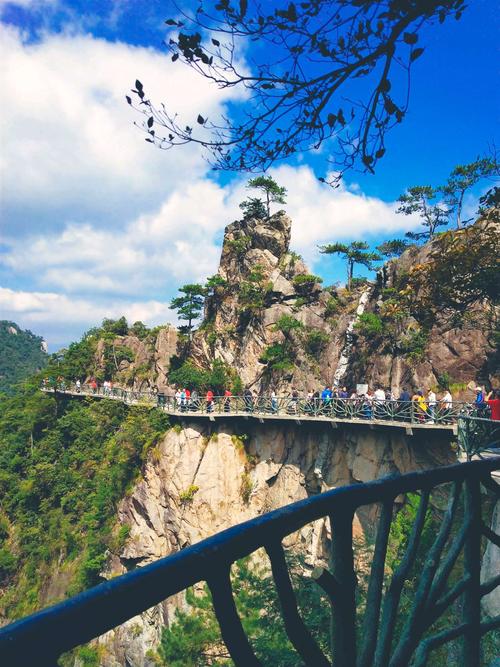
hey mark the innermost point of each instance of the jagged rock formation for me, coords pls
(255, 256)
(200, 481)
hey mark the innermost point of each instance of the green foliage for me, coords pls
(422, 199)
(277, 357)
(273, 193)
(358, 282)
(64, 467)
(369, 325)
(304, 283)
(240, 245)
(116, 327)
(190, 304)
(461, 272)
(315, 342)
(21, 354)
(393, 248)
(462, 178)
(286, 324)
(194, 640)
(444, 380)
(355, 253)
(188, 494)
(414, 344)
(218, 378)
(140, 330)
(254, 291)
(253, 208)
(332, 306)
(246, 487)
(215, 285)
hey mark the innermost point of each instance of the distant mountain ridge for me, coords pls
(21, 354)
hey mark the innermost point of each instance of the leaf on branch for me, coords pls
(138, 85)
(150, 121)
(175, 57)
(416, 53)
(200, 120)
(129, 100)
(215, 42)
(410, 37)
(243, 7)
(149, 140)
(332, 119)
(171, 22)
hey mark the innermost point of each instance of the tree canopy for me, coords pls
(355, 253)
(323, 70)
(190, 304)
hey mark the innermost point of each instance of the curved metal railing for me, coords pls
(337, 409)
(41, 638)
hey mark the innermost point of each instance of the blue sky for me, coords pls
(97, 223)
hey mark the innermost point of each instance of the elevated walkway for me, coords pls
(338, 411)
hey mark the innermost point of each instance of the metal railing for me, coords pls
(358, 640)
(336, 409)
(477, 436)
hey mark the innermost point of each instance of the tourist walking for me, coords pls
(431, 405)
(210, 400)
(493, 402)
(248, 398)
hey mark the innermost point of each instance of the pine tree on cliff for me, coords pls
(274, 193)
(355, 253)
(189, 305)
(422, 199)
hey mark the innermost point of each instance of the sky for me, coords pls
(97, 223)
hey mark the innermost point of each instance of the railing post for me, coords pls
(344, 606)
(472, 567)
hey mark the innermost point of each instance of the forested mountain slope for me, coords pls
(21, 354)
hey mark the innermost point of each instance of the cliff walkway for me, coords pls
(397, 414)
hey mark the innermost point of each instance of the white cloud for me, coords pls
(61, 318)
(100, 224)
(321, 214)
(70, 151)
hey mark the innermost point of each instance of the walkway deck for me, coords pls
(284, 411)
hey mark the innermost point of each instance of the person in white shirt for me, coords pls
(378, 401)
(431, 402)
(446, 404)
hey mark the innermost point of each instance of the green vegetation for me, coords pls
(188, 494)
(194, 638)
(21, 354)
(304, 283)
(64, 466)
(393, 248)
(273, 193)
(277, 357)
(240, 245)
(315, 342)
(369, 325)
(218, 378)
(255, 290)
(355, 253)
(189, 305)
(253, 208)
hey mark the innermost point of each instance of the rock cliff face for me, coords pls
(265, 281)
(201, 480)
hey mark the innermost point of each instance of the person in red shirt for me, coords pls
(210, 400)
(493, 400)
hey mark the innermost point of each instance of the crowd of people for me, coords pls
(333, 401)
(424, 407)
